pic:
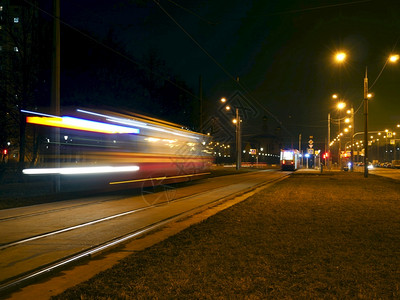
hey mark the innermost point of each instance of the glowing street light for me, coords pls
(340, 57)
(236, 121)
(394, 58)
(341, 105)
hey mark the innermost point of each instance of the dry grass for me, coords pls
(332, 236)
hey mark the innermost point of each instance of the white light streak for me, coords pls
(38, 113)
(80, 170)
(135, 123)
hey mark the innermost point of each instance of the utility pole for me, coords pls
(55, 89)
(300, 149)
(238, 141)
(352, 139)
(201, 102)
(366, 123)
(329, 141)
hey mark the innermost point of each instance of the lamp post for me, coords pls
(351, 121)
(329, 142)
(237, 122)
(238, 141)
(392, 58)
(386, 145)
(366, 124)
(340, 106)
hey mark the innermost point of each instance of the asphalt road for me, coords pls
(33, 238)
(386, 172)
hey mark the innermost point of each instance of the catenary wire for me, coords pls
(112, 50)
(220, 66)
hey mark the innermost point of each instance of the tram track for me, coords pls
(38, 271)
(107, 218)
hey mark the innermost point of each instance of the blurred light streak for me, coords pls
(80, 124)
(37, 113)
(135, 123)
(80, 170)
(128, 122)
(159, 178)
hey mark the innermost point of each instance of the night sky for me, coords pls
(277, 54)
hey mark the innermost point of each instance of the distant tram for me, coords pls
(289, 160)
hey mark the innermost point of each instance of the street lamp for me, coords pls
(340, 106)
(340, 56)
(366, 123)
(237, 122)
(392, 58)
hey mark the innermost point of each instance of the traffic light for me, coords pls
(5, 151)
(325, 155)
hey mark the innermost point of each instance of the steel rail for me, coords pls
(19, 281)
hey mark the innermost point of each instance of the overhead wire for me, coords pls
(219, 65)
(321, 7)
(112, 49)
(193, 13)
(384, 66)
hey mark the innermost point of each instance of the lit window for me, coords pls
(16, 20)
(16, 49)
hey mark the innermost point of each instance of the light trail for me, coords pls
(80, 170)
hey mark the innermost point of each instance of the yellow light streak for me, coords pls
(80, 124)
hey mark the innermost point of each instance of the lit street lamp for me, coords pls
(237, 122)
(366, 124)
(340, 56)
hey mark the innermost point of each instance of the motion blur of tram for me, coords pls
(101, 149)
(289, 159)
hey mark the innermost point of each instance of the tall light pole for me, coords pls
(237, 122)
(392, 59)
(352, 139)
(55, 88)
(238, 141)
(329, 142)
(340, 58)
(366, 124)
(340, 106)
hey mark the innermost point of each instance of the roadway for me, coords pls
(41, 238)
(386, 172)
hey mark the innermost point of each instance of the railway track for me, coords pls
(38, 240)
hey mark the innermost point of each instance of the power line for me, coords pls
(192, 13)
(219, 65)
(112, 49)
(321, 7)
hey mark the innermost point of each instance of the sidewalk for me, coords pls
(332, 236)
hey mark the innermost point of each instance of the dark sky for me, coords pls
(281, 51)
